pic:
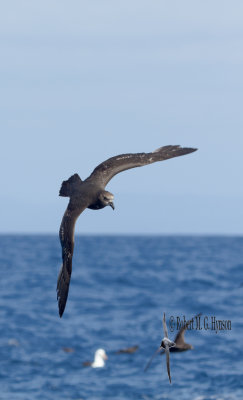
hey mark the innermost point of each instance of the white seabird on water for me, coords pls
(99, 359)
(91, 194)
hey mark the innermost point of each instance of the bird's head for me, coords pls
(106, 199)
(167, 343)
(100, 353)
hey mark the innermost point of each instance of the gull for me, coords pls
(99, 359)
(166, 345)
(91, 193)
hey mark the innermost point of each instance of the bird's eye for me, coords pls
(105, 198)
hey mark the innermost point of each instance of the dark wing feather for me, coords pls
(179, 339)
(109, 168)
(66, 235)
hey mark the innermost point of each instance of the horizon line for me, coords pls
(30, 233)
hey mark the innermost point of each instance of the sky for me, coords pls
(82, 81)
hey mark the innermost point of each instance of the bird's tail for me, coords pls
(68, 187)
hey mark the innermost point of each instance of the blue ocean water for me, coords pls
(120, 287)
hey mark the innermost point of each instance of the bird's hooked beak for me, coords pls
(112, 205)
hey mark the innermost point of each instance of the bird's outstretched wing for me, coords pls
(179, 339)
(109, 168)
(167, 352)
(165, 327)
(66, 235)
(151, 359)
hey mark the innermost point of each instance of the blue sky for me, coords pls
(82, 81)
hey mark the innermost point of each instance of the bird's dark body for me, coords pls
(91, 194)
(178, 349)
(79, 190)
(97, 205)
(128, 350)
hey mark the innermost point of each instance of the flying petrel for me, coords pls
(180, 344)
(91, 194)
(166, 345)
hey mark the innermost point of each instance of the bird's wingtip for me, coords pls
(60, 312)
(176, 147)
(187, 150)
(61, 306)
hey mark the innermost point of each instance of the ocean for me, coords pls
(120, 288)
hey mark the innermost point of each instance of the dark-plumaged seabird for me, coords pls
(180, 344)
(127, 350)
(91, 194)
(166, 345)
(68, 349)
